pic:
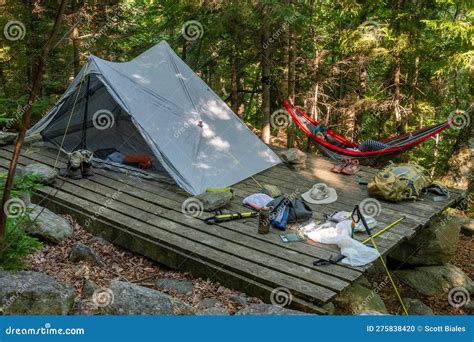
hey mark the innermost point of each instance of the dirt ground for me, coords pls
(122, 265)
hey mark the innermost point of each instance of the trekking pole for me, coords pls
(356, 216)
(380, 232)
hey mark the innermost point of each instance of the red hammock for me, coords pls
(396, 145)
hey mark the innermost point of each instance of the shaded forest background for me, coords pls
(368, 69)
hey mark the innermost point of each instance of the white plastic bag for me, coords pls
(355, 252)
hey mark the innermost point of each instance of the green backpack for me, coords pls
(399, 182)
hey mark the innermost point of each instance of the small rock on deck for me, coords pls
(146, 217)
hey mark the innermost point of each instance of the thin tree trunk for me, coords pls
(75, 43)
(25, 122)
(363, 63)
(265, 77)
(234, 82)
(396, 94)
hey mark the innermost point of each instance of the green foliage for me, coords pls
(19, 244)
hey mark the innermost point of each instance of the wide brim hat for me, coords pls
(320, 193)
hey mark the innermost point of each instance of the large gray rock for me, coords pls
(47, 226)
(267, 310)
(180, 286)
(357, 298)
(80, 252)
(214, 200)
(293, 156)
(132, 299)
(7, 138)
(433, 280)
(213, 312)
(208, 303)
(45, 174)
(416, 307)
(434, 245)
(241, 300)
(33, 293)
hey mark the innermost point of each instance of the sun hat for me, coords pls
(320, 193)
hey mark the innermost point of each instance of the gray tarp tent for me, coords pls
(156, 105)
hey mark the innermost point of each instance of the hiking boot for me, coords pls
(73, 168)
(87, 169)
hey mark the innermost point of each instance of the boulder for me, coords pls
(434, 245)
(88, 289)
(267, 310)
(80, 252)
(179, 286)
(132, 299)
(213, 312)
(467, 226)
(44, 173)
(7, 138)
(208, 303)
(358, 298)
(213, 200)
(416, 307)
(33, 293)
(47, 226)
(241, 300)
(433, 280)
(293, 156)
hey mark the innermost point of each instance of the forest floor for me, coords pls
(128, 266)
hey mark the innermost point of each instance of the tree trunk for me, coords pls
(461, 162)
(234, 83)
(265, 77)
(363, 63)
(25, 121)
(396, 94)
(75, 42)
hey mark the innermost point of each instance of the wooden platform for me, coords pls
(145, 217)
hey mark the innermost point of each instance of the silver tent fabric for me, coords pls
(160, 106)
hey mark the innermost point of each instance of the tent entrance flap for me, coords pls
(98, 124)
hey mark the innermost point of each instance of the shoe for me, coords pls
(73, 168)
(351, 168)
(341, 166)
(87, 169)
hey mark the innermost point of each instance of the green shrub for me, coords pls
(18, 244)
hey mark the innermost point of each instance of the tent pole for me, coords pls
(86, 110)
